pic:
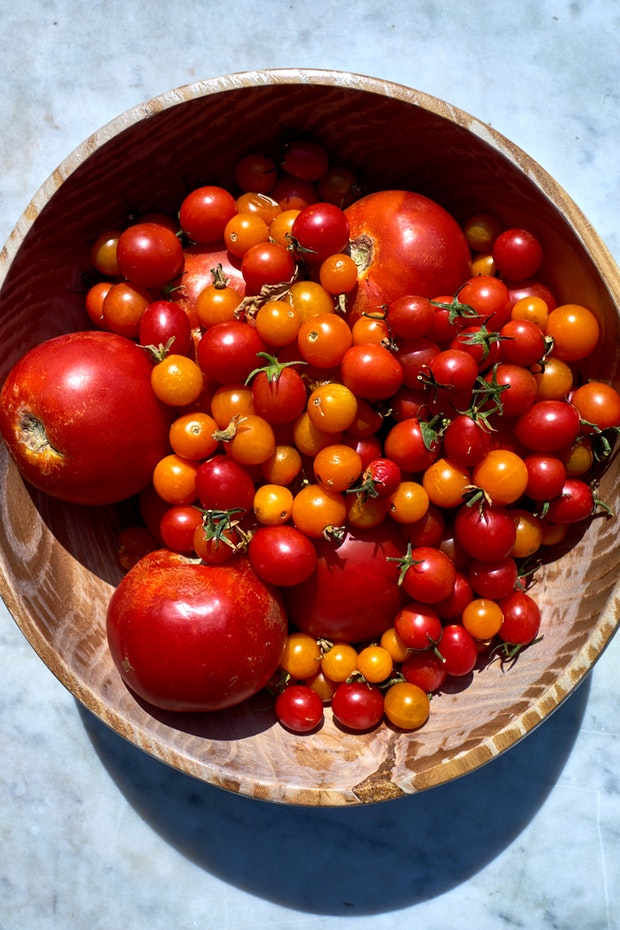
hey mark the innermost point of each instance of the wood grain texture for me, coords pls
(58, 563)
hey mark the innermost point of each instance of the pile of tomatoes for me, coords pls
(377, 413)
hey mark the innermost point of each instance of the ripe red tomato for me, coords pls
(282, 555)
(459, 651)
(204, 212)
(320, 230)
(404, 243)
(354, 593)
(162, 321)
(486, 532)
(228, 352)
(357, 705)
(191, 637)
(80, 419)
(299, 708)
(149, 254)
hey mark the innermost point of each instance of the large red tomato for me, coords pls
(80, 419)
(354, 594)
(186, 636)
(404, 243)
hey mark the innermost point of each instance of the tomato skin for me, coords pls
(69, 392)
(228, 352)
(548, 426)
(299, 709)
(521, 618)
(598, 403)
(191, 637)
(164, 320)
(357, 705)
(575, 503)
(354, 594)
(486, 533)
(458, 648)
(282, 555)
(149, 254)
(404, 243)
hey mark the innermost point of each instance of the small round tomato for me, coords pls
(489, 297)
(493, 579)
(177, 380)
(576, 502)
(357, 705)
(279, 394)
(103, 253)
(149, 254)
(503, 475)
(375, 663)
(408, 503)
(272, 504)
(282, 555)
(371, 371)
(481, 230)
(266, 263)
(575, 332)
(317, 511)
(227, 352)
(320, 230)
(548, 425)
(482, 618)
(178, 525)
(410, 317)
(163, 321)
(248, 440)
(418, 625)
(428, 574)
(332, 407)
(338, 274)
(277, 323)
(523, 342)
(339, 661)
(458, 649)
(257, 172)
(191, 436)
(305, 159)
(425, 669)
(485, 532)
(282, 466)
(445, 482)
(337, 467)
(222, 484)
(546, 475)
(406, 705)
(521, 618)
(216, 302)
(123, 307)
(244, 230)
(405, 444)
(466, 440)
(323, 340)
(517, 254)
(598, 404)
(174, 479)
(299, 708)
(204, 212)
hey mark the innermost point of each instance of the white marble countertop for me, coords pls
(97, 835)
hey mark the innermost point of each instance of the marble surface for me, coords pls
(94, 833)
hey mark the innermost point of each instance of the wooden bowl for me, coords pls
(58, 563)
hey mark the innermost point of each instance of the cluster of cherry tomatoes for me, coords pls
(458, 420)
